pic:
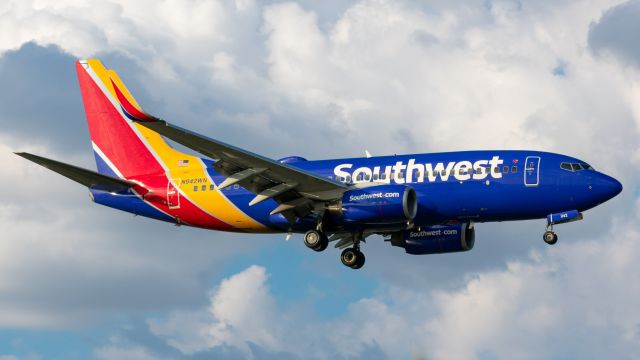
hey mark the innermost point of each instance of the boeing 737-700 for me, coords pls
(424, 203)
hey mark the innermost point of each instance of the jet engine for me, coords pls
(435, 239)
(376, 205)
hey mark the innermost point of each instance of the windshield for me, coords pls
(573, 167)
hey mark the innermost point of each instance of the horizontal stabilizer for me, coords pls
(85, 177)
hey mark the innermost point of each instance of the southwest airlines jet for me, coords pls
(424, 203)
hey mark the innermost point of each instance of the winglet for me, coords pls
(132, 111)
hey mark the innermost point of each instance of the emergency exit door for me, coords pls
(173, 194)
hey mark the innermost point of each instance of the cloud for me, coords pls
(325, 81)
(613, 32)
(66, 262)
(119, 349)
(242, 311)
(551, 304)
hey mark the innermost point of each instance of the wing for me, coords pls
(295, 190)
(85, 177)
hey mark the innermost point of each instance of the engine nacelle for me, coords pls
(436, 239)
(378, 205)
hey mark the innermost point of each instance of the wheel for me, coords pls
(323, 243)
(550, 237)
(349, 257)
(360, 261)
(312, 238)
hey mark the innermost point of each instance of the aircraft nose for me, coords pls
(608, 187)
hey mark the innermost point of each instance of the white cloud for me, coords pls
(118, 349)
(576, 300)
(65, 261)
(242, 311)
(388, 76)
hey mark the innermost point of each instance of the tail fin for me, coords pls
(121, 147)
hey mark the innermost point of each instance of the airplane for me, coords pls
(424, 203)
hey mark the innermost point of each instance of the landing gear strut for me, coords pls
(316, 240)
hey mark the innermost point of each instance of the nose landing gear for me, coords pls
(559, 218)
(550, 237)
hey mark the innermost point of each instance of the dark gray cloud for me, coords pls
(40, 98)
(617, 32)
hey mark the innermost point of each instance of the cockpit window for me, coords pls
(575, 166)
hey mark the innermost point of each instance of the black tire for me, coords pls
(324, 242)
(360, 262)
(312, 239)
(349, 257)
(550, 237)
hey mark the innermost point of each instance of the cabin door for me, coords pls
(532, 171)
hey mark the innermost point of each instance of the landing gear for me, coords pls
(316, 240)
(550, 237)
(352, 257)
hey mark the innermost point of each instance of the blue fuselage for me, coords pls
(477, 186)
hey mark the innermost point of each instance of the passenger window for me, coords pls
(236, 186)
(348, 178)
(212, 187)
(505, 169)
(443, 173)
(367, 177)
(204, 187)
(195, 188)
(383, 176)
(496, 170)
(514, 169)
(401, 175)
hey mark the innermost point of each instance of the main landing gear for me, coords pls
(352, 257)
(316, 240)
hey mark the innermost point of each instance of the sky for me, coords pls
(320, 79)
